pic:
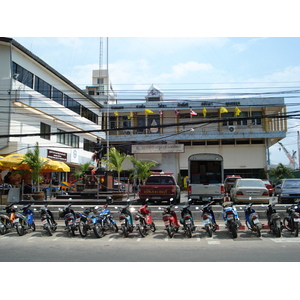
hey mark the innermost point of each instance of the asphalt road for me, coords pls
(155, 247)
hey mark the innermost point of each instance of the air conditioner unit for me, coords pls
(231, 128)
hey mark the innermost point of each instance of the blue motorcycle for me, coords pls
(24, 220)
(231, 218)
(107, 220)
(89, 221)
(252, 221)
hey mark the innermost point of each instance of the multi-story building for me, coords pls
(168, 132)
(38, 104)
(100, 87)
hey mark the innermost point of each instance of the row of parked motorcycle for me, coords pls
(100, 220)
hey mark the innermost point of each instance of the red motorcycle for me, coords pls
(143, 220)
(170, 219)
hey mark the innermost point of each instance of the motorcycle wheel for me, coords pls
(116, 229)
(32, 226)
(233, 231)
(73, 230)
(208, 230)
(124, 230)
(20, 229)
(82, 229)
(98, 230)
(3, 228)
(171, 230)
(153, 227)
(277, 230)
(296, 229)
(258, 231)
(48, 229)
(142, 229)
(188, 231)
(286, 224)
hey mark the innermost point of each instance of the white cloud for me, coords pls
(240, 47)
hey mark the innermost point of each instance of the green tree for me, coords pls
(115, 161)
(281, 172)
(80, 174)
(142, 168)
(36, 164)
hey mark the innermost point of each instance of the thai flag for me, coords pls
(176, 112)
(192, 113)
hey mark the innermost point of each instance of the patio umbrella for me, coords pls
(1, 166)
(13, 162)
(64, 185)
(56, 166)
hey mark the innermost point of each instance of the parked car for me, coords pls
(269, 186)
(229, 182)
(288, 190)
(244, 188)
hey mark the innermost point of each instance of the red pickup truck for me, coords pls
(160, 186)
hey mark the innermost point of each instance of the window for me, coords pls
(42, 87)
(243, 115)
(67, 139)
(57, 96)
(22, 75)
(89, 145)
(258, 120)
(100, 80)
(72, 104)
(45, 129)
(228, 115)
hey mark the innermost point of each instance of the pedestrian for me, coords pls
(7, 178)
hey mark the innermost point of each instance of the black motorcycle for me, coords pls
(125, 219)
(68, 214)
(187, 220)
(7, 218)
(274, 220)
(48, 222)
(291, 221)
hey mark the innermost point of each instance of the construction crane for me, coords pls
(289, 156)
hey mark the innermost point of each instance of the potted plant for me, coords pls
(36, 165)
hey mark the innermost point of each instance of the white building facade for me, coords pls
(38, 104)
(168, 132)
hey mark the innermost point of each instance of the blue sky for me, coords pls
(217, 48)
(214, 67)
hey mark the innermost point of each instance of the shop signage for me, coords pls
(56, 155)
(163, 148)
